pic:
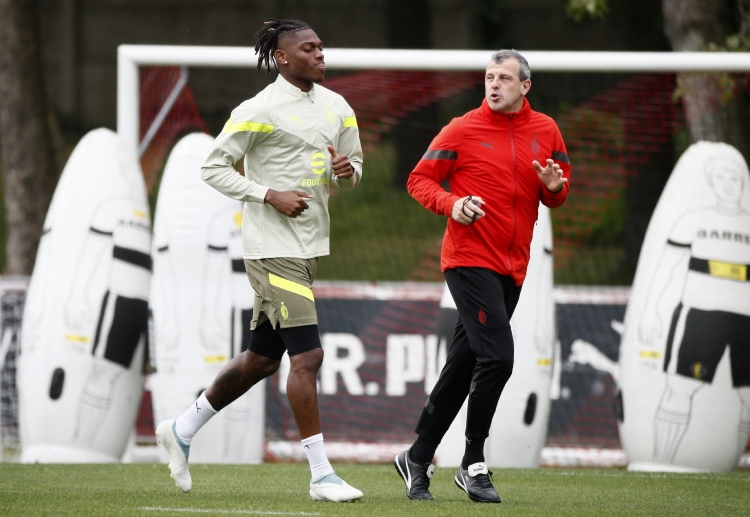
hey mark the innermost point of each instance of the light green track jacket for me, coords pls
(282, 133)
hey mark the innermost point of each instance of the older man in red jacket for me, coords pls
(501, 160)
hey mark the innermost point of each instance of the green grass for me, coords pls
(281, 489)
(592, 265)
(378, 232)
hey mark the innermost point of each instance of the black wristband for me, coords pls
(473, 215)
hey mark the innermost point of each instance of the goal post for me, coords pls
(131, 57)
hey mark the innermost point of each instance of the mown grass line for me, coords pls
(282, 489)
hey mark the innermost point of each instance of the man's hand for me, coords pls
(467, 209)
(551, 175)
(290, 203)
(340, 164)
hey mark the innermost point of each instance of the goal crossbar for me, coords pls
(131, 57)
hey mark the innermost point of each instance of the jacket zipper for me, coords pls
(515, 194)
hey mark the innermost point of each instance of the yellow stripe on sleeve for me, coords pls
(292, 287)
(350, 122)
(254, 127)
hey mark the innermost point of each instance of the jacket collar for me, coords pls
(498, 117)
(293, 90)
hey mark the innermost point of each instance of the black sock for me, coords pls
(422, 451)
(474, 453)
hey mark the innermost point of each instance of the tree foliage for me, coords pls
(578, 10)
(698, 26)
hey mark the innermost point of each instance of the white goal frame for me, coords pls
(131, 57)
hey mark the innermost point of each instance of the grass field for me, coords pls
(281, 489)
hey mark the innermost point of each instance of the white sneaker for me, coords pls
(178, 455)
(333, 488)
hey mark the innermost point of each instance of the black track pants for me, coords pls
(480, 357)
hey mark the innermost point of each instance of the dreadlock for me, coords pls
(268, 38)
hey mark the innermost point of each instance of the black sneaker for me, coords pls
(416, 477)
(476, 482)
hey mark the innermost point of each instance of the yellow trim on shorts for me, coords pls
(288, 285)
(350, 122)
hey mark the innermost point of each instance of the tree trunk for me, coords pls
(715, 111)
(26, 146)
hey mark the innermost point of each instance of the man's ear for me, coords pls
(526, 87)
(280, 56)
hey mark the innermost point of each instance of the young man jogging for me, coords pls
(296, 137)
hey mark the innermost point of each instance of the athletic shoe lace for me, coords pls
(484, 481)
(421, 479)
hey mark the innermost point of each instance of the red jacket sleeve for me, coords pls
(437, 164)
(560, 156)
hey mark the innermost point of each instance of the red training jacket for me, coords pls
(488, 154)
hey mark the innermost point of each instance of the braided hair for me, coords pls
(268, 38)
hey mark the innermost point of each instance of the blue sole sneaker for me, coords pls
(178, 455)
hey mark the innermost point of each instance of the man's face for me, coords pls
(727, 182)
(300, 59)
(503, 89)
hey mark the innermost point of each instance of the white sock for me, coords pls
(316, 456)
(193, 419)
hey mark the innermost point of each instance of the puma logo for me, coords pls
(477, 468)
(296, 119)
(485, 144)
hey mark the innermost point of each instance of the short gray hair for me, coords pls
(524, 72)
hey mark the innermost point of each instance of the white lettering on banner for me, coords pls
(437, 353)
(333, 364)
(284, 373)
(345, 365)
(409, 358)
(413, 358)
(404, 362)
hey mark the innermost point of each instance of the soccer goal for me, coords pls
(12, 296)
(623, 119)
